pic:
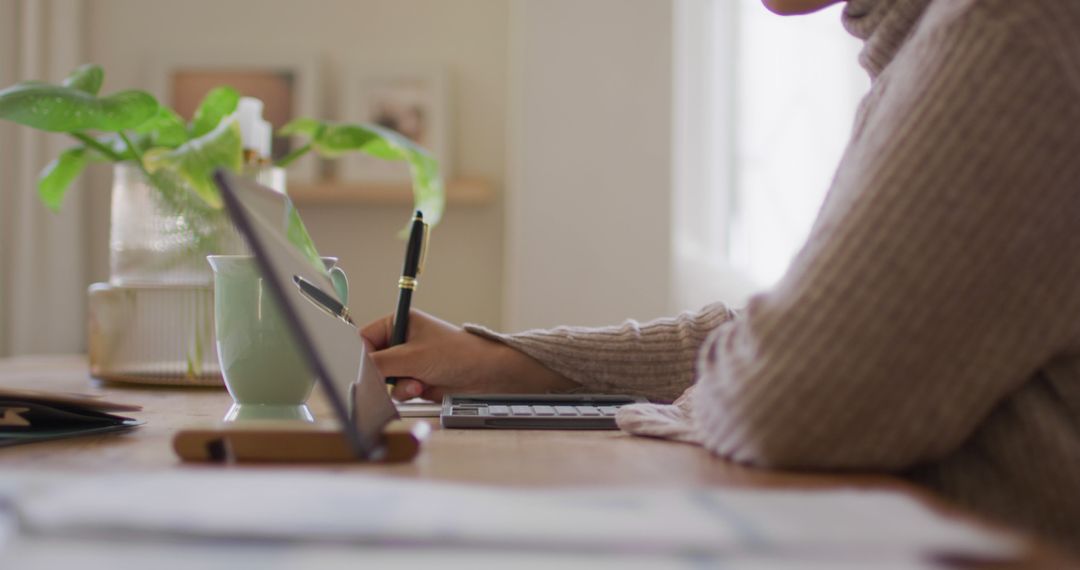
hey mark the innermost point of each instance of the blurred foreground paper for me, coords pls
(364, 510)
(50, 554)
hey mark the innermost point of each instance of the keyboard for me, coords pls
(548, 411)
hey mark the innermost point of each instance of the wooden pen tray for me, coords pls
(292, 442)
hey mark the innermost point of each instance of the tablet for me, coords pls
(333, 349)
(547, 411)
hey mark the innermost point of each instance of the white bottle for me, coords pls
(257, 135)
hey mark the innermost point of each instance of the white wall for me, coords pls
(588, 234)
(469, 37)
(42, 302)
(8, 68)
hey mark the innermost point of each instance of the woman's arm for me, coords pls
(654, 359)
(439, 357)
(939, 277)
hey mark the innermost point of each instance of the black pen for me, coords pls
(407, 283)
(323, 300)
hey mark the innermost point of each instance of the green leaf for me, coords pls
(194, 161)
(333, 140)
(66, 109)
(302, 126)
(336, 140)
(388, 144)
(57, 176)
(86, 78)
(380, 142)
(219, 103)
(298, 236)
(165, 128)
(429, 196)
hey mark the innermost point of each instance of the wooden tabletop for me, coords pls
(502, 457)
(496, 457)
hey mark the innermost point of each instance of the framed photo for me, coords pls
(411, 100)
(286, 85)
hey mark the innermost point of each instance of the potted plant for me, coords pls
(167, 213)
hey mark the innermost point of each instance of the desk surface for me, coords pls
(500, 457)
(540, 458)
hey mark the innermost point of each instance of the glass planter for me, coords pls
(162, 237)
(153, 321)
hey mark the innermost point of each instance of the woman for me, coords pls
(931, 324)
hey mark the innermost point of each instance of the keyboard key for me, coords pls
(499, 410)
(566, 410)
(521, 410)
(608, 410)
(544, 410)
(588, 410)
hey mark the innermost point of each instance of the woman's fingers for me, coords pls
(378, 332)
(392, 362)
(432, 393)
(407, 389)
(397, 362)
(430, 363)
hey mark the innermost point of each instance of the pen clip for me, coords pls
(424, 249)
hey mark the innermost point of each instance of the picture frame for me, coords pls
(286, 83)
(410, 99)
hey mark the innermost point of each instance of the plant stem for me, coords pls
(292, 156)
(94, 144)
(135, 152)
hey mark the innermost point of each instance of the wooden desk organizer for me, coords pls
(292, 442)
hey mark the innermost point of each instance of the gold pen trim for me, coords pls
(407, 283)
(346, 316)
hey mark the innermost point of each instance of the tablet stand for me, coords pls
(271, 441)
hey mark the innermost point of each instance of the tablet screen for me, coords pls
(334, 351)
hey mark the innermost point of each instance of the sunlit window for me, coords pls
(796, 86)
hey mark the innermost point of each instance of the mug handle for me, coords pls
(341, 283)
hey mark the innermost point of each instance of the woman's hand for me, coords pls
(438, 357)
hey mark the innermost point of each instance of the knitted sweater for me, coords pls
(931, 324)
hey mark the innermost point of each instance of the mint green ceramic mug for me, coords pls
(262, 366)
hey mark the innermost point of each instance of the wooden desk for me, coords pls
(540, 458)
(522, 458)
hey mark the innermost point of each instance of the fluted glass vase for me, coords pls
(152, 323)
(161, 236)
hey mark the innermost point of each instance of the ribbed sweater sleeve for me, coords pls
(940, 275)
(653, 359)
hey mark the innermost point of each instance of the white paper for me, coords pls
(363, 510)
(50, 554)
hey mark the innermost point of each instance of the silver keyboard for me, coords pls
(533, 412)
(540, 410)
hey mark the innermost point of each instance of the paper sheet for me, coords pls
(50, 554)
(357, 509)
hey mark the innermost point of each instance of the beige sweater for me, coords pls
(931, 324)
